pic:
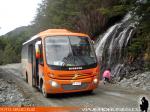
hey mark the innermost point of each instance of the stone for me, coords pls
(127, 84)
(146, 88)
(10, 94)
(142, 80)
(10, 81)
(137, 83)
(135, 78)
(2, 100)
(144, 75)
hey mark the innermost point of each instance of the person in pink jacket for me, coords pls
(107, 75)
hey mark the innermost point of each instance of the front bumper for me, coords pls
(66, 86)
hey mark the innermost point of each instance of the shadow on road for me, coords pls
(70, 95)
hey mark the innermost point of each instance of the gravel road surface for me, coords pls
(15, 91)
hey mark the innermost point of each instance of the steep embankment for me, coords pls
(139, 80)
(125, 48)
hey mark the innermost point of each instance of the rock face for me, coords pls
(10, 95)
(110, 47)
(141, 80)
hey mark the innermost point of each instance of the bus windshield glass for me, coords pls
(69, 51)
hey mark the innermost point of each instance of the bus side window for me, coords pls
(41, 55)
(30, 53)
(39, 52)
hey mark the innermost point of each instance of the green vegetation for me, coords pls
(116, 10)
(11, 44)
(88, 16)
(140, 44)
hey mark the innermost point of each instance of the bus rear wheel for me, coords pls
(26, 79)
(43, 91)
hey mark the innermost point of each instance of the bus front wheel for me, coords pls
(89, 91)
(44, 92)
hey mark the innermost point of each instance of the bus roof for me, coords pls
(52, 32)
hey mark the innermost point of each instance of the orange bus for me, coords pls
(60, 61)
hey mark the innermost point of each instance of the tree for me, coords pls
(77, 15)
(10, 55)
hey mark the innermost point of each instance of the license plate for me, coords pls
(76, 83)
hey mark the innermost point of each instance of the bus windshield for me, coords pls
(69, 51)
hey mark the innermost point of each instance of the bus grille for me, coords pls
(75, 87)
(70, 76)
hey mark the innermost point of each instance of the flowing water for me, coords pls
(110, 48)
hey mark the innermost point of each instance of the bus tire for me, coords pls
(43, 90)
(89, 91)
(26, 79)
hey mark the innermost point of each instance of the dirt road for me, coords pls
(104, 97)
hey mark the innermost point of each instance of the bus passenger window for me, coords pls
(39, 52)
(41, 55)
(30, 52)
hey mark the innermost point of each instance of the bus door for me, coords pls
(33, 67)
(37, 57)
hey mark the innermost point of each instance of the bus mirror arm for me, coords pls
(42, 64)
(93, 42)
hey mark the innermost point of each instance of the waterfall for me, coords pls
(111, 45)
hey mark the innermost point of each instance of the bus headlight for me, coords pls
(95, 80)
(54, 84)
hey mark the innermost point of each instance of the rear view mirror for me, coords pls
(93, 42)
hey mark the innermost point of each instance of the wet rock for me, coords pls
(146, 88)
(137, 83)
(2, 100)
(135, 78)
(141, 80)
(10, 81)
(144, 75)
(123, 81)
(2, 88)
(1, 80)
